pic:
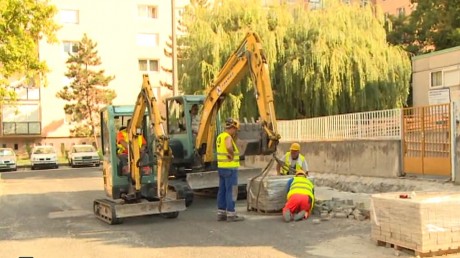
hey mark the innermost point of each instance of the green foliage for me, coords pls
(28, 150)
(22, 24)
(87, 92)
(433, 25)
(323, 62)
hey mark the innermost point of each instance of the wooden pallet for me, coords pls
(432, 253)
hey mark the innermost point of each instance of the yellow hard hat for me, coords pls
(300, 172)
(295, 147)
(230, 122)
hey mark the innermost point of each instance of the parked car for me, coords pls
(83, 155)
(44, 156)
(8, 160)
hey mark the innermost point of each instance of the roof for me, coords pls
(435, 53)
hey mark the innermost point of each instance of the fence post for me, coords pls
(453, 142)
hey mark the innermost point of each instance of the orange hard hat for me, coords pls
(300, 172)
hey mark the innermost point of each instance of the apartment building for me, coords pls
(130, 36)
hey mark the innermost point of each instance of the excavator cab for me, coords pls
(183, 118)
(116, 182)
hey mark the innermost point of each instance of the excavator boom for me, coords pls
(249, 57)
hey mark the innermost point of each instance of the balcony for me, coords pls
(21, 128)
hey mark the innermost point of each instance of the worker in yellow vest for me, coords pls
(293, 161)
(300, 197)
(228, 162)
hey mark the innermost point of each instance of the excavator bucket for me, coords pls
(253, 140)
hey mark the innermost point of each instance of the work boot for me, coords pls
(287, 216)
(221, 215)
(234, 218)
(299, 216)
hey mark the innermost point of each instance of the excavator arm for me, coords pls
(249, 57)
(163, 154)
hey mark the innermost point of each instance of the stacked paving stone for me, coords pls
(426, 222)
(267, 194)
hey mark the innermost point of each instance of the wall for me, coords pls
(375, 158)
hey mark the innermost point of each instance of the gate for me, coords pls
(426, 140)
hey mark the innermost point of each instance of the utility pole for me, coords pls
(174, 48)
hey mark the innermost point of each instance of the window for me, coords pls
(24, 93)
(16, 147)
(69, 16)
(364, 3)
(21, 113)
(147, 40)
(149, 65)
(180, 11)
(401, 11)
(3, 145)
(70, 47)
(147, 11)
(436, 79)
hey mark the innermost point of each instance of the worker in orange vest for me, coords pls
(122, 149)
(300, 197)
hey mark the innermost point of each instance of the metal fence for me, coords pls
(382, 124)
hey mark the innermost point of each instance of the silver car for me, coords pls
(83, 155)
(8, 159)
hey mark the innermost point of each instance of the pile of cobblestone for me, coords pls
(340, 209)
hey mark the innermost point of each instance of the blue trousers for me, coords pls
(228, 189)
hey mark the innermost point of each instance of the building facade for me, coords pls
(436, 77)
(131, 37)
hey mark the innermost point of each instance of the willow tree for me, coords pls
(214, 31)
(322, 62)
(338, 61)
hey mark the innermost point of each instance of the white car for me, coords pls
(44, 156)
(8, 160)
(83, 155)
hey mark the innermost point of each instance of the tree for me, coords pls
(87, 92)
(433, 25)
(22, 24)
(322, 62)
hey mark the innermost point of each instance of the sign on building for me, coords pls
(439, 96)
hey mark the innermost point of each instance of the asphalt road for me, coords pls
(48, 213)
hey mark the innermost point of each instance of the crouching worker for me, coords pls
(300, 197)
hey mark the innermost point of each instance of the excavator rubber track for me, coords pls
(112, 211)
(105, 210)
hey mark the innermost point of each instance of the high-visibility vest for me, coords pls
(302, 185)
(222, 159)
(121, 148)
(300, 160)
